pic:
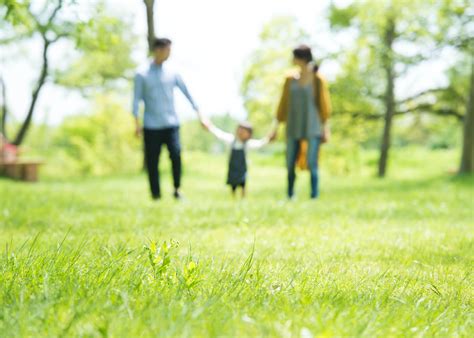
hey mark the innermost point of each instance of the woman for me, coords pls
(305, 108)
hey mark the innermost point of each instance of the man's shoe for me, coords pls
(177, 195)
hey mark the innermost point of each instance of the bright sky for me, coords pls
(231, 27)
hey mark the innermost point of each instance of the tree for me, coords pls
(50, 32)
(380, 28)
(457, 32)
(3, 120)
(48, 22)
(427, 28)
(266, 69)
(467, 157)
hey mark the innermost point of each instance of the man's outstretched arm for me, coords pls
(182, 86)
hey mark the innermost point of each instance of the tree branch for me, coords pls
(365, 116)
(59, 36)
(34, 96)
(55, 11)
(420, 94)
(448, 112)
(422, 108)
(43, 28)
(428, 108)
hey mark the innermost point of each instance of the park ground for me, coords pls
(372, 258)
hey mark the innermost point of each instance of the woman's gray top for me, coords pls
(303, 118)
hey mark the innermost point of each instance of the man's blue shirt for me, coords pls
(155, 87)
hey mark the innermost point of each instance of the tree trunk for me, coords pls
(389, 97)
(467, 158)
(3, 121)
(34, 96)
(150, 19)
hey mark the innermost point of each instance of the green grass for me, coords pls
(371, 258)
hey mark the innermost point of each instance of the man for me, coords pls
(155, 87)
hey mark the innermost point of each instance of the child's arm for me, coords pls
(259, 143)
(219, 134)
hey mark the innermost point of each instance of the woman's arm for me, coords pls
(324, 106)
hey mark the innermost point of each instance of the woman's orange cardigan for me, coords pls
(323, 103)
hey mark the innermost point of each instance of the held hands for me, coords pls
(272, 135)
(273, 132)
(205, 122)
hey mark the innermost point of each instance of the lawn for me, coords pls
(372, 258)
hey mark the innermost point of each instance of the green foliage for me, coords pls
(103, 142)
(454, 20)
(367, 58)
(431, 131)
(104, 42)
(105, 45)
(342, 17)
(26, 19)
(96, 144)
(159, 257)
(371, 258)
(456, 94)
(355, 96)
(267, 67)
(15, 12)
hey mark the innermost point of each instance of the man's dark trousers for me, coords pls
(154, 139)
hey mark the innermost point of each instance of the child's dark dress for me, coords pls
(237, 167)
(237, 174)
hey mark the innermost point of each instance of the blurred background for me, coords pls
(401, 76)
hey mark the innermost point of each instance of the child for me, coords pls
(240, 142)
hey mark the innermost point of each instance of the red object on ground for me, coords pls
(8, 153)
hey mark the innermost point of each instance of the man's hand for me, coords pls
(206, 123)
(203, 120)
(138, 129)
